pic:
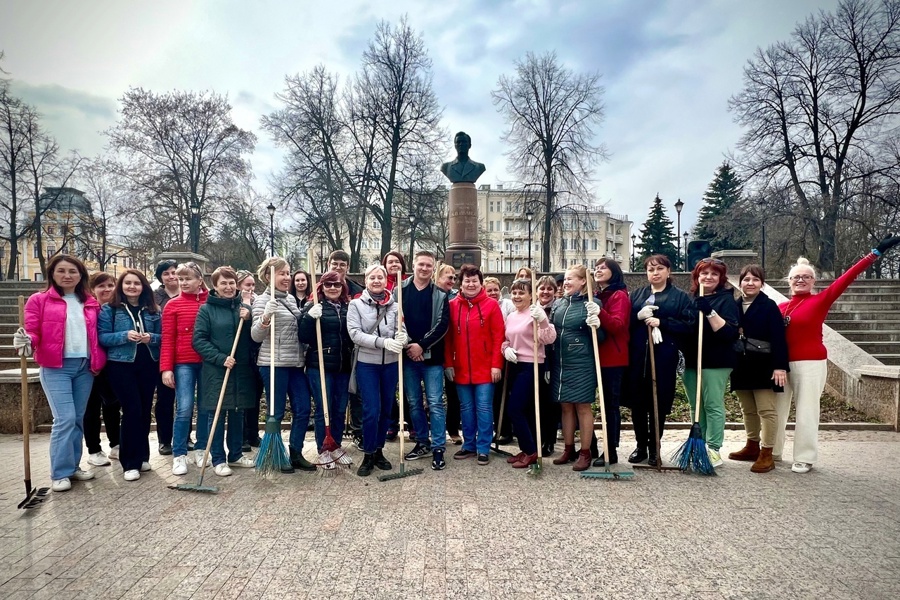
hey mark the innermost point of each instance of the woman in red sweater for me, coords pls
(804, 315)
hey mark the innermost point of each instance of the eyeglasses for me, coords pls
(332, 284)
(714, 261)
(801, 278)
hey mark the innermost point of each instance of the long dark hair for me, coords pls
(80, 287)
(145, 300)
(617, 281)
(293, 288)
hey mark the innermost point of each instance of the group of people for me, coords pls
(107, 346)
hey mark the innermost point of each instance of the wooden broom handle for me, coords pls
(594, 344)
(26, 421)
(699, 364)
(319, 349)
(215, 421)
(537, 377)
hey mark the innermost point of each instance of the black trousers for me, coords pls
(251, 415)
(102, 401)
(133, 384)
(612, 392)
(165, 411)
(520, 404)
(453, 414)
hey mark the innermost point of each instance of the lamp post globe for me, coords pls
(633, 242)
(529, 216)
(678, 206)
(271, 209)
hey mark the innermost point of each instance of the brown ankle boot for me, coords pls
(567, 456)
(748, 453)
(583, 462)
(764, 463)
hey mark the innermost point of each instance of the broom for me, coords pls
(692, 454)
(199, 487)
(659, 466)
(606, 473)
(272, 458)
(403, 470)
(331, 453)
(33, 496)
(537, 467)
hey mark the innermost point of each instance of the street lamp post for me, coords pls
(501, 261)
(685, 251)
(678, 206)
(529, 216)
(633, 242)
(195, 227)
(412, 238)
(322, 254)
(271, 209)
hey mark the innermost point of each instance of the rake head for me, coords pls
(34, 498)
(194, 487)
(404, 472)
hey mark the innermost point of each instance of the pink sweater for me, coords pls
(520, 336)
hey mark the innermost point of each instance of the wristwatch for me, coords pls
(712, 314)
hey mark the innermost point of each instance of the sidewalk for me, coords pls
(466, 532)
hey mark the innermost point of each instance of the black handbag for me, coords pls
(743, 345)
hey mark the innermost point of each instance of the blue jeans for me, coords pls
(476, 407)
(377, 386)
(67, 389)
(290, 383)
(234, 437)
(187, 381)
(337, 392)
(414, 375)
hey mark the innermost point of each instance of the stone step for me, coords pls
(874, 306)
(862, 335)
(14, 360)
(875, 347)
(888, 359)
(848, 324)
(886, 316)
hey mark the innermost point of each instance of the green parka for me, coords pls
(214, 332)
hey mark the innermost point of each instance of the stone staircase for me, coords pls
(9, 318)
(867, 314)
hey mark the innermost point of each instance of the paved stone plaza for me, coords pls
(466, 532)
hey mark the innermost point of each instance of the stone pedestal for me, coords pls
(879, 393)
(11, 401)
(735, 260)
(185, 256)
(463, 220)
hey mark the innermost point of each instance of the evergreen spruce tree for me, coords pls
(713, 219)
(657, 235)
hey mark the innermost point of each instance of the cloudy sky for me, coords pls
(668, 69)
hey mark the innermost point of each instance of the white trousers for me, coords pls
(805, 384)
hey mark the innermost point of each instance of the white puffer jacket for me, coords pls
(362, 314)
(289, 352)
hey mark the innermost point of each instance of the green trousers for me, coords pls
(712, 403)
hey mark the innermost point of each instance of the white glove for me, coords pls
(547, 377)
(315, 312)
(592, 321)
(449, 374)
(392, 345)
(402, 337)
(592, 307)
(22, 342)
(537, 313)
(646, 312)
(271, 308)
(510, 355)
(656, 335)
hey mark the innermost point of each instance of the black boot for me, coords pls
(547, 450)
(613, 458)
(298, 462)
(595, 453)
(381, 462)
(368, 464)
(652, 458)
(639, 455)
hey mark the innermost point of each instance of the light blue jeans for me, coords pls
(476, 407)
(432, 376)
(67, 389)
(187, 382)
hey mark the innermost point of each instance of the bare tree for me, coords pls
(816, 108)
(551, 113)
(13, 163)
(182, 153)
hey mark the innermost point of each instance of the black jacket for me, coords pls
(432, 341)
(336, 343)
(718, 346)
(761, 321)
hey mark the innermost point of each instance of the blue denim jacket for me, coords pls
(114, 335)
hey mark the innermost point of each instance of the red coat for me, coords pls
(178, 319)
(45, 322)
(615, 319)
(474, 339)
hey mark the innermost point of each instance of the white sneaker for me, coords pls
(715, 458)
(801, 467)
(113, 453)
(145, 466)
(243, 462)
(198, 457)
(98, 459)
(179, 465)
(132, 475)
(61, 485)
(80, 475)
(222, 470)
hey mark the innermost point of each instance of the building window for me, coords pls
(51, 230)
(34, 251)
(491, 209)
(491, 227)
(594, 244)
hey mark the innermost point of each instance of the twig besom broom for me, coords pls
(692, 454)
(538, 467)
(199, 487)
(271, 457)
(606, 473)
(33, 496)
(659, 466)
(332, 455)
(404, 472)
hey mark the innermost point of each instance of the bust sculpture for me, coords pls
(462, 169)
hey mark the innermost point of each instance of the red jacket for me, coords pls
(615, 319)
(45, 323)
(474, 339)
(178, 320)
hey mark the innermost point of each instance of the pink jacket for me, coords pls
(520, 336)
(45, 322)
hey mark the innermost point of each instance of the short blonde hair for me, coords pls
(493, 280)
(262, 272)
(375, 267)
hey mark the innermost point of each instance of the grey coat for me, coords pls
(362, 314)
(288, 350)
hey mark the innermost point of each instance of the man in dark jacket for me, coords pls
(165, 396)
(426, 317)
